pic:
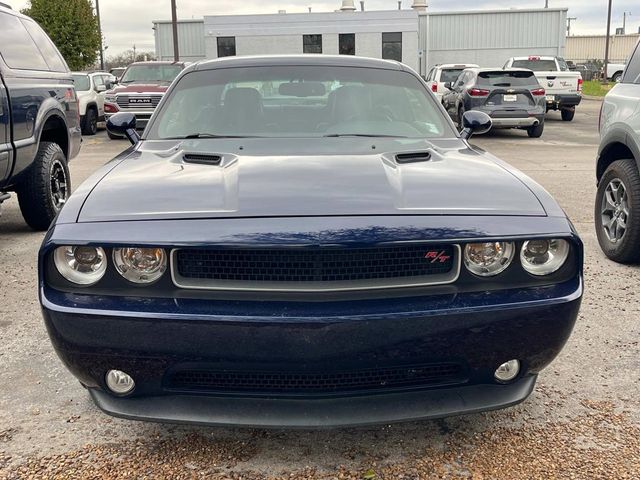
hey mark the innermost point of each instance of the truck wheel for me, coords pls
(45, 187)
(617, 212)
(536, 132)
(90, 124)
(567, 115)
(616, 77)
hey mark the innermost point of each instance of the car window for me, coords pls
(536, 65)
(299, 101)
(501, 78)
(98, 81)
(17, 47)
(46, 46)
(81, 82)
(632, 72)
(450, 74)
(462, 79)
(151, 73)
(430, 75)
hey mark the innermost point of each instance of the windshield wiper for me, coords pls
(369, 135)
(210, 135)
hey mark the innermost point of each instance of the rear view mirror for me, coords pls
(475, 123)
(302, 89)
(101, 88)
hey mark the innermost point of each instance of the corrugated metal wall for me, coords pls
(190, 40)
(581, 49)
(489, 38)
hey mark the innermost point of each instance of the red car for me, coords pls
(140, 89)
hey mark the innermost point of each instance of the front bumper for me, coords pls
(150, 340)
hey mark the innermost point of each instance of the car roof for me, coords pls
(498, 69)
(537, 57)
(458, 65)
(154, 62)
(297, 60)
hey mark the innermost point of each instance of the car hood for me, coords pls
(310, 177)
(140, 88)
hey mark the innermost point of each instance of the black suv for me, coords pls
(39, 120)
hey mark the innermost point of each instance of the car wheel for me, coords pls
(90, 124)
(617, 212)
(45, 187)
(114, 137)
(616, 77)
(567, 115)
(536, 132)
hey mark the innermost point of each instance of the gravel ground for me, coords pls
(583, 420)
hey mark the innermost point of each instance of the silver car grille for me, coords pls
(138, 101)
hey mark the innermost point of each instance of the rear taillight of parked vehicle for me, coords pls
(538, 92)
(478, 92)
(580, 82)
(434, 87)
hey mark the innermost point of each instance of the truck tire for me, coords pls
(616, 77)
(45, 187)
(90, 122)
(618, 220)
(567, 115)
(536, 132)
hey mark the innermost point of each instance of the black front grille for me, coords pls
(316, 383)
(316, 264)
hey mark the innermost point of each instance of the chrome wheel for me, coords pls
(615, 210)
(59, 189)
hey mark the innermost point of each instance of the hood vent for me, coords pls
(413, 157)
(202, 158)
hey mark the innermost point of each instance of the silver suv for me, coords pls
(617, 207)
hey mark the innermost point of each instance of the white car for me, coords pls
(441, 74)
(615, 71)
(91, 88)
(563, 87)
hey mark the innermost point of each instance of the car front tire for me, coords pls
(90, 122)
(45, 187)
(567, 115)
(617, 212)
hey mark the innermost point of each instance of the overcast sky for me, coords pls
(125, 23)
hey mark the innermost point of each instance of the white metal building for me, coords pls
(582, 49)
(417, 36)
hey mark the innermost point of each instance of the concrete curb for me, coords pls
(592, 97)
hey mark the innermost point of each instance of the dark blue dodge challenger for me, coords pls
(307, 241)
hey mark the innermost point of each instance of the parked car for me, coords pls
(512, 98)
(307, 241)
(617, 206)
(140, 89)
(448, 73)
(39, 122)
(563, 87)
(91, 88)
(615, 71)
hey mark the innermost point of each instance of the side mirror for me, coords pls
(101, 88)
(448, 86)
(475, 123)
(124, 124)
(108, 85)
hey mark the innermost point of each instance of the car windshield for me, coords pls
(536, 65)
(450, 74)
(501, 78)
(81, 82)
(151, 73)
(299, 101)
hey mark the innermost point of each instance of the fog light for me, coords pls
(119, 382)
(508, 371)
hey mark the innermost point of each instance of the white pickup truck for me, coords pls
(563, 87)
(615, 71)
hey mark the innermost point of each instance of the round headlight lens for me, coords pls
(140, 265)
(81, 265)
(488, 258)
(543, 257)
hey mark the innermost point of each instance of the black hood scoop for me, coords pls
(202, 158)
(413, 157)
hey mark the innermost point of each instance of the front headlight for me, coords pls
(110, 98)
(488, 258)
(80, 264)
(543, 257)
(140, 265)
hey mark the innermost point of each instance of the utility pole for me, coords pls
(134, 52)
(100, 33)
(174, 25)
(569, 20)
(546, 3)
(624, 22)
(606, 47)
